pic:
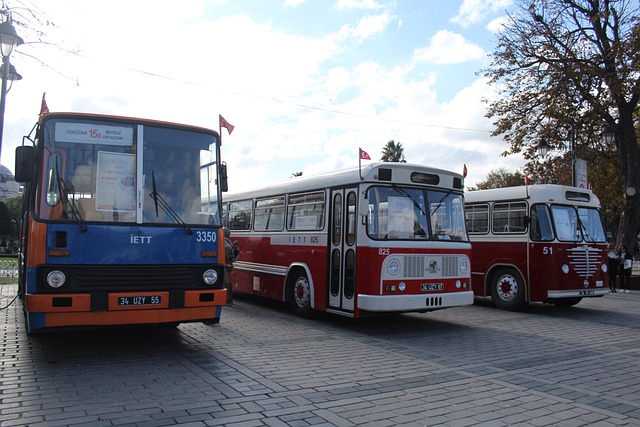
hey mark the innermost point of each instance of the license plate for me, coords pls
(431, 286)
(140, 300)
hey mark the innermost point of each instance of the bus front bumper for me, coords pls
(577, 293)
(399, 303)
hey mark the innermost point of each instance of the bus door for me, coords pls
(342, 249)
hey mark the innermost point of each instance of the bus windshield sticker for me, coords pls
(115, 182)
(88, 133)
(401, 218)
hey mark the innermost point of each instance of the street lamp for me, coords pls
(542, 148)
(608, 135)
(8, 40)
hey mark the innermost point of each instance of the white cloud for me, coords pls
(295, 102)
(496, 25)
(472, 12)
(359, 4)
(447, 47)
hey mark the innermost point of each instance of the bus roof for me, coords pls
(372, 172)
(122, 119)
(536, 194)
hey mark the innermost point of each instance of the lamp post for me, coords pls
(542, 148)
(8, 40)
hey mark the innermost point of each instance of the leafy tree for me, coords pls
(499, 178)
(393, 152)
(565, 70)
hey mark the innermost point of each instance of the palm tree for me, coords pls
(393, 152)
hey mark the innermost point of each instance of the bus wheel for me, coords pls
(507, 289)
(566, 302)
(300, 294)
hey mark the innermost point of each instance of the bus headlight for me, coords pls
(464, 266)
(210, 277)
(56, 278)
(402, 286)
(565, 269)
(393, 267)
(604, 268)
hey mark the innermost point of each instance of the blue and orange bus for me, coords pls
(121, 222)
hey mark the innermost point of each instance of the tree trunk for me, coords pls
(630, 161)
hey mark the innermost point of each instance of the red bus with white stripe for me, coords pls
(537, 243)
(387, 238)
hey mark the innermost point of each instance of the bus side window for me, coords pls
(509, 217)
(477, 218)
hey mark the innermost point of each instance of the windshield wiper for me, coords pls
(585, 233)
(158, 200)
(440, 201)
(410, 197)
(64, 192)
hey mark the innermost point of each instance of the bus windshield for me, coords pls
(98, 171)
(415, 214)
(575, 226)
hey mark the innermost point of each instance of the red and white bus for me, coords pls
(387, 238)
(537, 243)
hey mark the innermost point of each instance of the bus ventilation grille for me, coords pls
(434, 302)
(414, 266)
(585, 260)
(135, 277)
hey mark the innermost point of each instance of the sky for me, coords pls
(305, 83)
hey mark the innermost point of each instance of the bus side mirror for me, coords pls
(224, 184)
(363, 207)
(24, 163)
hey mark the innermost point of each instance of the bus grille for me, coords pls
(414, 266)
(585, 260)
(135, 277)
(449, 266)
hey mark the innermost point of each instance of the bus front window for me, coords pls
(89, 171)
(415, 214)
(180, 181)
(591, 225)
(447, 216)
(565, 221)
(397, 213)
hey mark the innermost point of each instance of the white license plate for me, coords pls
(431, 286)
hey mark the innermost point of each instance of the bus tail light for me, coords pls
(56, 278)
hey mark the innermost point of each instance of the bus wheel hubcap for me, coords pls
(301, 292)
(507, 288)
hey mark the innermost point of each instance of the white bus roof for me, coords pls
(400, 174)
(543, 193)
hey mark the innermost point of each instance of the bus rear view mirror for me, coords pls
(24, 163)
(363, 207)
(224, 184)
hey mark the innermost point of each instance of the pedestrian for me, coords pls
(231, 252)
(626, 262)
(613, 264)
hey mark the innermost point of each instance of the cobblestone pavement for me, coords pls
(263, 366)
